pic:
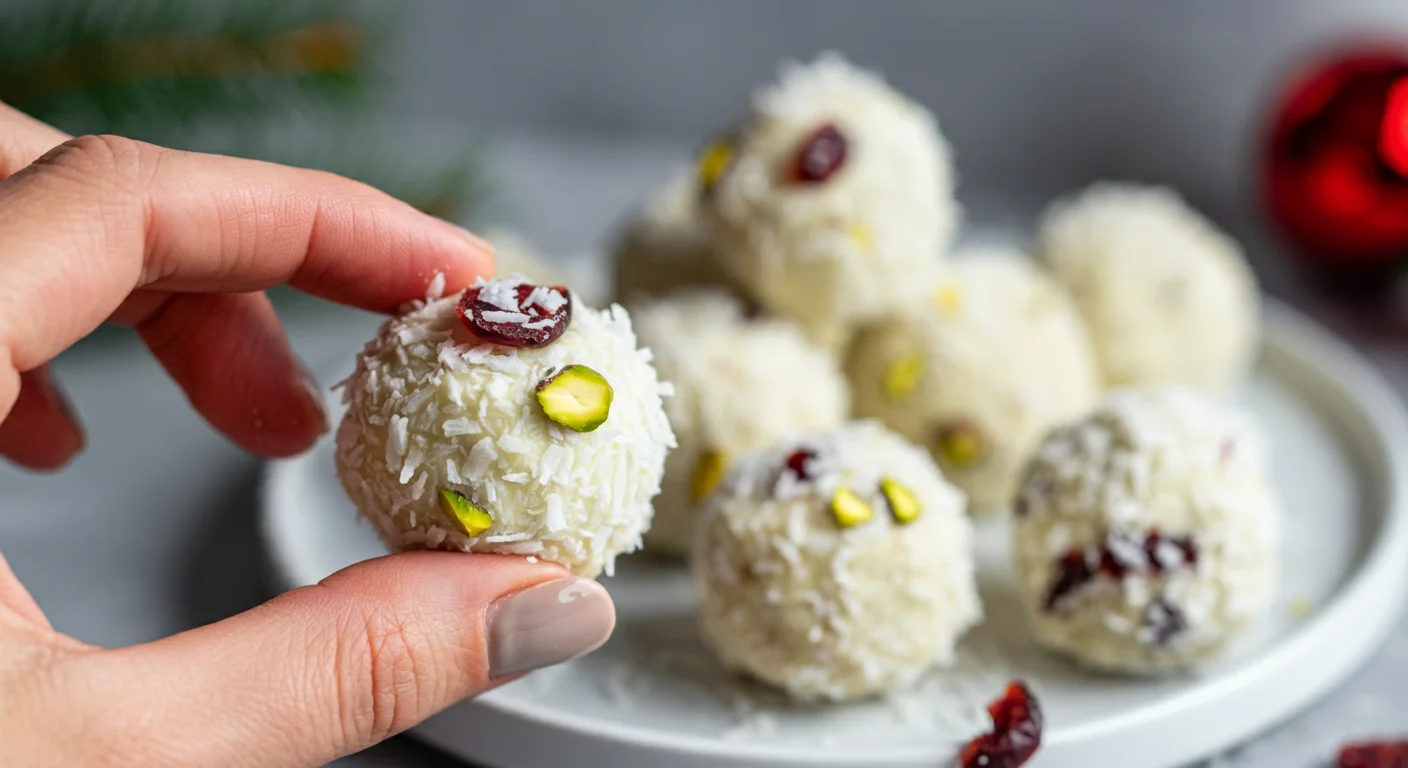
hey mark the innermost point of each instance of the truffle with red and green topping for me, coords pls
(833, 200)
(1145, 535)
(506, 419)
(836, 565)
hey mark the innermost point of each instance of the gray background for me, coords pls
(585, 105)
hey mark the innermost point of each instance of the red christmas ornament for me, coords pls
(1336, 162)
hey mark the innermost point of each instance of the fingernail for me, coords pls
(547, 624)
(314, 393)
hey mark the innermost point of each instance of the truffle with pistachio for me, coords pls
(833, 199)
(506, 419)
(665, 244)
(836, 565)
(740, 385)
(978, 374)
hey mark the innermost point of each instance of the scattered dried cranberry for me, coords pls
(1016, 732)
(1120, 556)
(1224, 455)
(1163, 622)
(1373, 754)
(822, 154)
(510, 319)
(798, 463)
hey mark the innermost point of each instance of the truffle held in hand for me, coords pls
(506, 420)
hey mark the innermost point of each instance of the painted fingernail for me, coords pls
(547, 624)
(313, 391)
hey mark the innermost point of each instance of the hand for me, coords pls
(180, 246)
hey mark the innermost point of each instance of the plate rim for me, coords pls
(1357, 601)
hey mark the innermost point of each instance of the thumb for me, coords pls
(330, 669)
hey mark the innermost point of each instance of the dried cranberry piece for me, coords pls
(1120, 556)
(797, 463)
(1163, 622)
(526, 325)
(1016, 732)
(821, 154)
(1073, 571)
(1373, 754)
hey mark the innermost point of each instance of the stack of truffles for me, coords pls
(806, 395)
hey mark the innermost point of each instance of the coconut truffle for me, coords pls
(458, 436)
(740, 385)
(836, 566)
(1146, 535)
(1170, 300)
(981, 372)
(665, 244)
(833, 200)
(515, 255)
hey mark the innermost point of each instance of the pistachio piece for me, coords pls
(860, 233)
(708, 471)
(713, 161)
(902, 376)
(576, 397)
(904, 505)
(961, 443)
(948, 299)
(849, 509)
(464, 515)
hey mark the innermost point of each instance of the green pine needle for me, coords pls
(91, 65)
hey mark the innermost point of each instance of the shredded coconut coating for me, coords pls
(852, 248)
(825, 612)
(666, 244)
(1170, 299)
(740, 386)
(998, 348)
(1162, 460)
(515, 255)
(430, 407)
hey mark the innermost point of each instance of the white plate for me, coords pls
(651, 697)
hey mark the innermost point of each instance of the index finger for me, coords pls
(101, 216)
(24, 139)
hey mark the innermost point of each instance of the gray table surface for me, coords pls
(174, 543)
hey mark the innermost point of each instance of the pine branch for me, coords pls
(106, 65)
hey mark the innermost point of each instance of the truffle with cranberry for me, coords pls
(836, 565)
(1146, 535)
(506, 419)
(833, 200)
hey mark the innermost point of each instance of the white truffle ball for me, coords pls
(1146, 535)
(1169, 298)
(825, 610)
(431, 408)
(740, 385)
(981, 372)
(835, 198)
(665, 244)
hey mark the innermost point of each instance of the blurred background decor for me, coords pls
(287, 81)
(1336, 165)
